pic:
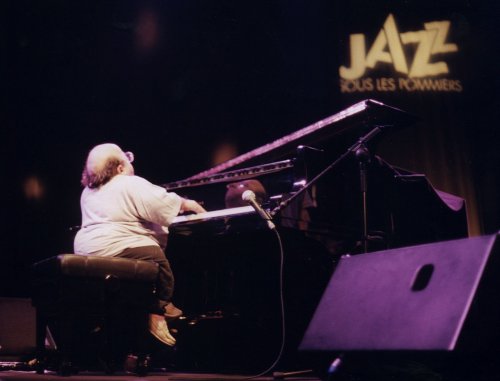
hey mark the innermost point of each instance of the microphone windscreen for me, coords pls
(248, 195)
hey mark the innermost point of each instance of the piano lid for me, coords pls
(357, 117)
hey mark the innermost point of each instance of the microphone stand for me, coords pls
(362, 154)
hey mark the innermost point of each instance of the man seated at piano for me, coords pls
(124, 215)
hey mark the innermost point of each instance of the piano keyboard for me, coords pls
(212, 215)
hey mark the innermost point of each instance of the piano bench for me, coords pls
(89, 302)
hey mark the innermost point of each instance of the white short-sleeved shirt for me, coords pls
(126, 212)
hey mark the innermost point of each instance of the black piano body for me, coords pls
(228, 267)
(402, 207)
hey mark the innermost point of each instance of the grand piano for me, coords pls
(328, 195)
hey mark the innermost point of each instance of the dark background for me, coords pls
(171, 80)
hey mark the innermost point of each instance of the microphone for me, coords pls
(249, 197)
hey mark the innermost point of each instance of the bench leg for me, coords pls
(66, 347)
(41, 329)
(141, 340)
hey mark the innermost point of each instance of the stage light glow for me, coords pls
(147, 31)
(224, 151)
(33, 188)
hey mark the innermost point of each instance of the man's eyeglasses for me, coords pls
(130, 156)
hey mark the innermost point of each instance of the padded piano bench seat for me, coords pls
(81, 297)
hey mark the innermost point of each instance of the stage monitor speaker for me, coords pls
(17, 326)
(435, 297)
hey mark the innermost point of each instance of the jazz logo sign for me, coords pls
(388, 48)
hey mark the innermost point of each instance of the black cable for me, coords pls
(282, 312)
(282, 317)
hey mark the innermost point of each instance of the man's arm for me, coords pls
(191, 206)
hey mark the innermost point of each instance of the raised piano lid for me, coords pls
(361, 115)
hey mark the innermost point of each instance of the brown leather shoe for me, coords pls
(171, 312)
(158, 328)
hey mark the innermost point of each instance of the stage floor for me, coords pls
(395, 371)
(154, 376)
